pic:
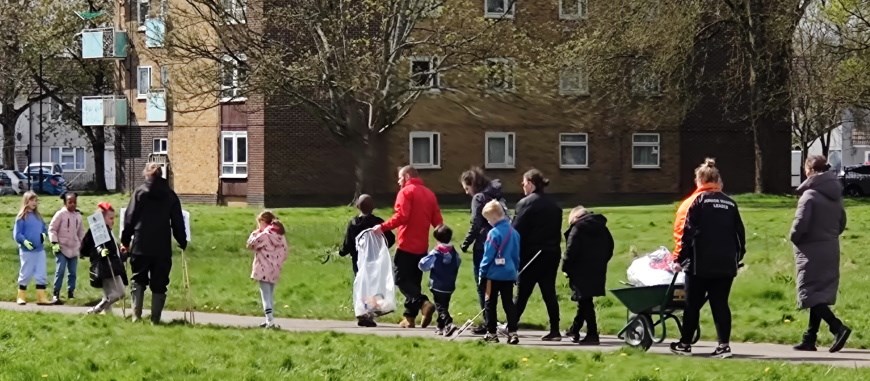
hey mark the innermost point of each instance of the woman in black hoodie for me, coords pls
(483, 190)
(588, 250)
(539, 222)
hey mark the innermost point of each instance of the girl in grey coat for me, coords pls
(819, 220)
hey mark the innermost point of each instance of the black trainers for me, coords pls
(70, 294)
(679, 348)
(56, 300)
(590, 339)
(491, 338)
(479, 330)
(840, 339)
(450, 329)
(552, 336)
(366, 322)
(513, 338)
(723, 351)
(808, 344)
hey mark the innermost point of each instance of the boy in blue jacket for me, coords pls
(498, 271)
(443, 262)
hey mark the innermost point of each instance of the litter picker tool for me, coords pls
(469, 322)
(185, 280)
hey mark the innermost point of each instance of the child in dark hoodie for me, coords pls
(365, 220)
(589, 249)
(443, 262)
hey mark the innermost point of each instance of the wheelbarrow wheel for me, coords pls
(638, 334)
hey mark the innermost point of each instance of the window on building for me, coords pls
(574, 150)
(499, 8)
(645, 82)
(500, 74)
(143, 9)
(572, 9)
(573, 81)
(71, 159)
(234, 74)
(236, 10)
(425, 149)
(143, 82)
(645, 150)
(55, 111)
(234, 154)
(423, 74)
(161, 146)
(500, 150)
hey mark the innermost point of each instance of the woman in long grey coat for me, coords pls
(818, 222)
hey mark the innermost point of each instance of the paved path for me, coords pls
(852, 358)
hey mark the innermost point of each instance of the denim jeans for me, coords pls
(65, 264)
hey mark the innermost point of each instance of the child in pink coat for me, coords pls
(270, 251)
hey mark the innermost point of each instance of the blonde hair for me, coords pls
(707, 173)
(29, 195)
(493, 211)
(576, 213)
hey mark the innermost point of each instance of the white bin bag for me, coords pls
(374, 291)
(653, 269)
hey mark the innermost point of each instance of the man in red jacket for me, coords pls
(416, 211)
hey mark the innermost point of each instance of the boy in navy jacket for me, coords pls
(443, 262)
(499, 269)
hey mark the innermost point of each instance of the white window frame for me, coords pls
(141, 16)
(584, 81)
(434, 82)
(237, 10)
(574, 144)
(70, 151)
(657, 145)
(236, 86)
(235, 135)
(866, 157)
(52, 106)
(163, 146)
(511, 161)
(508, 13)
(139, 93)
(582, 10)
(510, 65)
(434, 149)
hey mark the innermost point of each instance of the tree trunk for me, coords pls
(805, 153)
(759, 157)
(99, 147)
(364, 151)
(7, 120)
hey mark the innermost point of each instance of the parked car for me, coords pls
(856, 180)
(6, 184)
(48, 169)
(20, 182)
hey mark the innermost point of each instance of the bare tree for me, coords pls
(345, 62)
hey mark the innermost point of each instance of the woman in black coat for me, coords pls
(482, 190)
(539, 222)
(589, 249)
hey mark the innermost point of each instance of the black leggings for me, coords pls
(823, 312)
(585, 314)
(541, 272)
(700, 290)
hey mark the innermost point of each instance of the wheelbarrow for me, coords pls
(650, 307)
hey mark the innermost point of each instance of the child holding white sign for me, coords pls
(107, 267)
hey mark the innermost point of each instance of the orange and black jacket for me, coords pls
(709, 233)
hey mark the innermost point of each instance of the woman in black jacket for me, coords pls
(589, 249)
(539, 222)
(482, 190)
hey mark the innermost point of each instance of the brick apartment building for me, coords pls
(246, 151)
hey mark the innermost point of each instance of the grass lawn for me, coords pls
(763, 300)
(37, 346)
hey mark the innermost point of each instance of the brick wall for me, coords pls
(133, 144)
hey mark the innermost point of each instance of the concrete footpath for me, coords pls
(851, 358)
